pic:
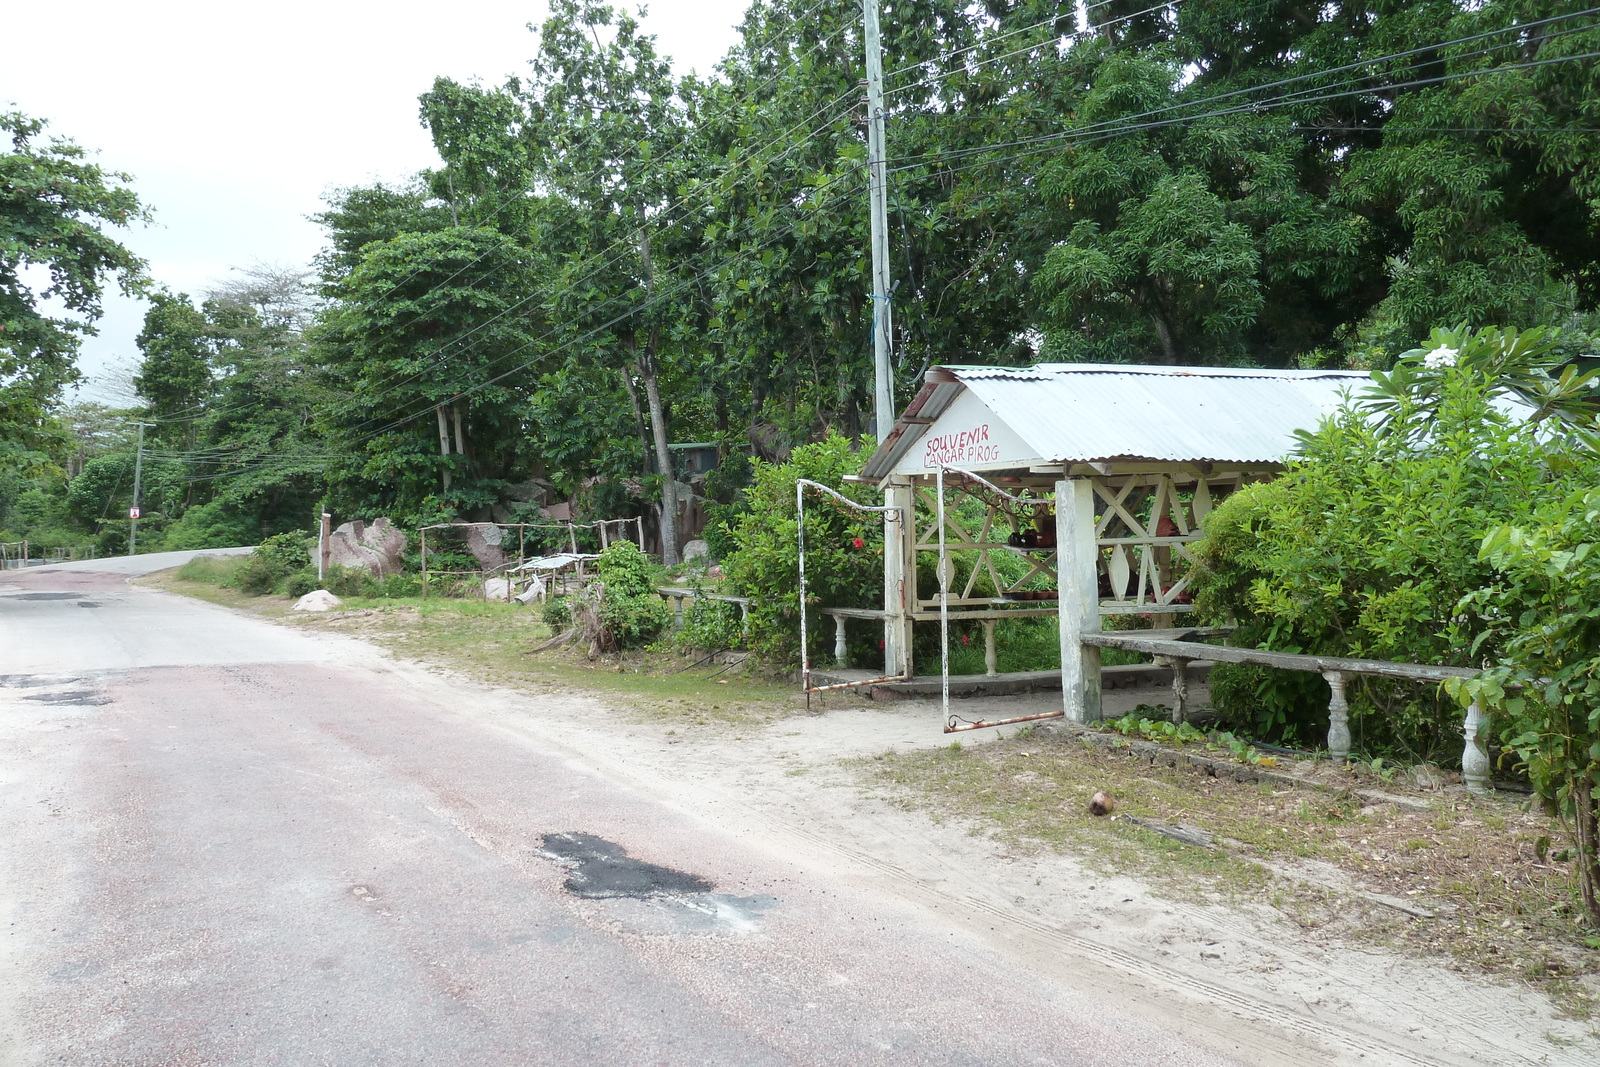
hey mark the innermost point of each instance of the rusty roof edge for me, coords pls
(880, 465)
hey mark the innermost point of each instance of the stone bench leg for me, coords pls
(991, 657)
(1474, 760)
(1180, 686)
(1338, 718)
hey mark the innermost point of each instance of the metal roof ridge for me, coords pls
(1182, 371)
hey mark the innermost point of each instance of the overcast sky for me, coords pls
(234, 119)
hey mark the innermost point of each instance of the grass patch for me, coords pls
(494, 642)
(1504, 905)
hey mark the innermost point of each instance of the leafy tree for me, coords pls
(53, 210)
(175, 376)
(98, 499)
(264, 460)
(418, 342)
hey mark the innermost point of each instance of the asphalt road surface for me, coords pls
(230, 843)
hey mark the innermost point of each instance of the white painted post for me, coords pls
(991, 657)
(1474, 760)
(1076, 555)
(1338, 718)
(899, 533)
(839, 656)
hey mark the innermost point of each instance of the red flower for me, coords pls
(966, 639)
(859, 543)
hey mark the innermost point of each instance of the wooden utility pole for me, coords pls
(138, 481)
(896, 629)
(878, 200)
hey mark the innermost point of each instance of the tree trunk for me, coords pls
(658, 417)
(1586, 826)
(633, 400)
(1169, 351)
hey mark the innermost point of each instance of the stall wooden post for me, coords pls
(424, 564)
(899, 552)
(1077, 553)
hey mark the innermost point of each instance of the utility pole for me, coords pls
(138, 473)
(878, 199)
(896, 626)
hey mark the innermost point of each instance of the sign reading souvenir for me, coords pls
(968, 436)
(958, 449)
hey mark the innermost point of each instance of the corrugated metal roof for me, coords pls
(1080, 413)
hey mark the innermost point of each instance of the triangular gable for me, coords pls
(968, 436)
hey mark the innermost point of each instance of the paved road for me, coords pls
(229, 843)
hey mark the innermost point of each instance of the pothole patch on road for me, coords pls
(43, 596)
(61, 690)
(650, 897)
(601, 870)
(82, 698)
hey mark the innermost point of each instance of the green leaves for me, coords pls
(1372, 543)
(54, 207)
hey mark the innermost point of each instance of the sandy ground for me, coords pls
(969, 938)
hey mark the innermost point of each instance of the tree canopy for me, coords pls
(55, 262)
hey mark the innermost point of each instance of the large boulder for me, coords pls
(484, 541)
(376, 549)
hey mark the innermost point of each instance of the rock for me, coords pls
(317, 600)
(696, 549)
(497, 589)
(376, 549)
(1427, 776)
(1102, 804)
(532, 491)
(483, 541)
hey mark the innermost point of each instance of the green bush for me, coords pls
(1550, 570)
(556, 614)
(269, 567)
(350, 582)
(209, 526)
(631, 610)
(710, 624)
(301, 582)
(1370, 539)
(844, 549)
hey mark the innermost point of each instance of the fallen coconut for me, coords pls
(1102, 804)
